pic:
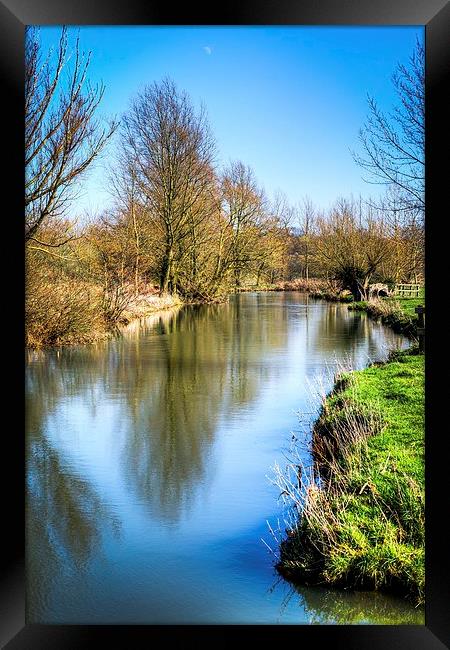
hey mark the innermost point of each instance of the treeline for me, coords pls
(179, 225)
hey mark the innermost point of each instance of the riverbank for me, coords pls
(315, 287)
(144, 305)
(311, 286)
(397, 313)
(363, 527)
(61, 327)
(67, 313)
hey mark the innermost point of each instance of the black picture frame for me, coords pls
(14, 15)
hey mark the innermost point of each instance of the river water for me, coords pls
(149, 458)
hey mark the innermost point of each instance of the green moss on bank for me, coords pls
(365, 527)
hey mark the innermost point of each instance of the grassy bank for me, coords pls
(363, 527)
(144, 305)
(398, 313)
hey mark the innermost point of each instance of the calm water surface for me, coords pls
(148, 460)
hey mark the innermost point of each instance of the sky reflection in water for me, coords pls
(148, 457)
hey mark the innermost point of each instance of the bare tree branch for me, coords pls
(62, 135)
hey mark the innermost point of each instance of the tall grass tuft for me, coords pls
(391, 313)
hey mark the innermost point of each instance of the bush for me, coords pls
(59, 311)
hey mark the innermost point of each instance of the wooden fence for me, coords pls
(407, 290)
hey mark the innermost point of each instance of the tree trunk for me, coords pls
(306, 263)
(166, 284)
(137, 242)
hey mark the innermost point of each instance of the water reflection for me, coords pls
(66, 522)
(322, 606)
(148, 451)
(342, 333)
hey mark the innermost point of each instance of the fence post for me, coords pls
(420, 310)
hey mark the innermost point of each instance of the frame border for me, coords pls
(434, 15)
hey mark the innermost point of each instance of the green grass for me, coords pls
(366, 529)
(408, 305)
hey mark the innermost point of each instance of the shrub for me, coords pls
(59, 311)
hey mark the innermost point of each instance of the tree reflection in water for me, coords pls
(122, 435)
(176, 374)
(208, 365)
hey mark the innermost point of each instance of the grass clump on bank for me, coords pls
(408, 305)
(361, 525)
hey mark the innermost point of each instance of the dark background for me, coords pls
(435, 15)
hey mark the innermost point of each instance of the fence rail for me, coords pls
(407, 290)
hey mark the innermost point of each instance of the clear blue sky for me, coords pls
(288, 101)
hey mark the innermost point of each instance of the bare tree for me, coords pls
(307, 215)
(273, 238)
(352, 252)
(62, 135)
(243, 209)
(171, 150)
(407, 237)
(111, 270)
(122, 184)
(393, 144)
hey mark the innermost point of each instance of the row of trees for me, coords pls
(192, 230)
(356, 247)
(181, 223)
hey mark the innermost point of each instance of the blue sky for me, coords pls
(288, 101)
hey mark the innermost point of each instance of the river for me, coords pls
(149, 458)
